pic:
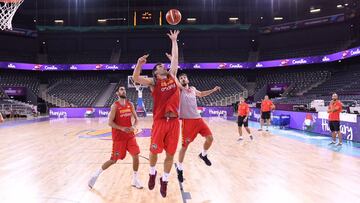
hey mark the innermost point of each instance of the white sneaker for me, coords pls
(92, 181)
(136, 183)
(331, 143)
(240, 139)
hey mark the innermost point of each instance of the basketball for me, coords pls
(173, 16)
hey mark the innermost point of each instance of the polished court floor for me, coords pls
(51, 161)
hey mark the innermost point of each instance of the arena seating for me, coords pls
(230, 86)
(2, 93)
(11, 108)
(304, 42)
(299, 79)
(344, 82)
(83, 89)
(80, 91)
(20, 79)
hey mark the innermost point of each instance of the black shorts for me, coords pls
(334, 126)
(241, 121)
(265, 115)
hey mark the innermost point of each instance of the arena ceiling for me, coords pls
(255, 12)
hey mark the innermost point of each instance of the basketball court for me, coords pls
(69, 69)
(52, 160)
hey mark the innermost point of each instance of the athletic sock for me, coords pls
(165, 177)
(204, 153)
(180, 166)
(98, 172)
(152, 170)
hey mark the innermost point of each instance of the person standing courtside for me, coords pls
(334, 110)
(243, 118)
(266, 107)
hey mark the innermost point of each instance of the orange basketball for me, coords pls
(173, 16)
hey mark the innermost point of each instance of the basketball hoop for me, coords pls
(133, 84)
(140, 107)
(7, 11)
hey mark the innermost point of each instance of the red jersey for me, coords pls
(166, 95)
(266, 105)
(243, 109)
(122, 118)
(335, 116)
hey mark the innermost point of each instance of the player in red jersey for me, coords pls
(123, 136)
(334, 111)
(166, 126)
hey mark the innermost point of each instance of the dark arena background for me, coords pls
(62, 63)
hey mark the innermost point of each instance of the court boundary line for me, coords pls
(184, 195)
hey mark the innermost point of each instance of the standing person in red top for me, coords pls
(266, 107)
(334, 111)
(123, 136)
(166, 125)
(243, 115)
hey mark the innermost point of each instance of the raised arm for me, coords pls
(208, 92)
(173, 35)
(136, 75)
(169, 56)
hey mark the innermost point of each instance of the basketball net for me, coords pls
(7, 11)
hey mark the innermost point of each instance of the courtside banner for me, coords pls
(78, 112)
(220, 111)
(205, 66)
(223, 112)
(317, 122)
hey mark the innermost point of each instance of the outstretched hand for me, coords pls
(142, 60)
(173, 34)
(217, 88)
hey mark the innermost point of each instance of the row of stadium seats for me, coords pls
(80, 91)
(21, 79)
(2, 93)
(344, 82)
(84, 89)
(300, 80)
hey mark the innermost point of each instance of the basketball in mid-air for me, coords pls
(173, 16)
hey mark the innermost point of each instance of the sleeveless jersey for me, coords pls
(166, 96)
(122, 118)
(188, 104)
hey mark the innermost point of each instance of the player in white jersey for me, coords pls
(192, 123)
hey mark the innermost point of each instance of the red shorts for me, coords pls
(192, 127)
(120, 148)
(165, 136)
